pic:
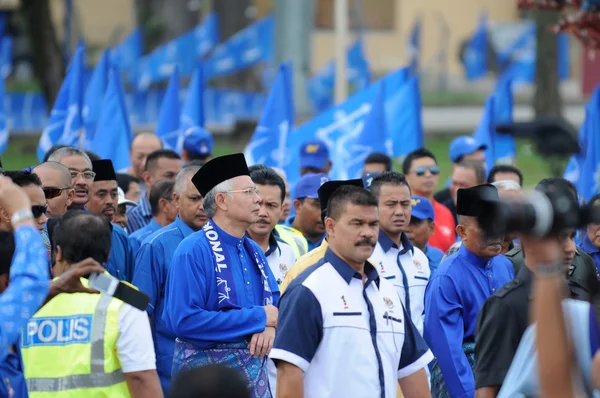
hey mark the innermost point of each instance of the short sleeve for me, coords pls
(415, 352)
(134, 344)
(300, 327)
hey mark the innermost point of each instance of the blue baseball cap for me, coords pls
(422, 209)
(368, 179)
(197, 141)
(308, 186)
(314, 154)
(464, 145)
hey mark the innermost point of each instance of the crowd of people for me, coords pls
(382, 286)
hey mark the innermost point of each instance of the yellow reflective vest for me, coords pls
(69, 348)
(294, 238)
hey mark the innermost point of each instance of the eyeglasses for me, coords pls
(53, 192)
(250, 192)
(38, 210)
(422, 170)
(87, 175)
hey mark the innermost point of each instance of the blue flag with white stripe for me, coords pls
(94, 96)
(504, 144)
(484, 134)
(4, 132)
(269, 142)
(114, 135)
(65, 124)
(192, 114)
(167, 127)
(403, 113)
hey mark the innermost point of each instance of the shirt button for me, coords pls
(490, 275)
(248, 282)
(493, 289)
(245, 269)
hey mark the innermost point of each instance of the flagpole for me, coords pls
(341, 35)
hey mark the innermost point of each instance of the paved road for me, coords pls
(450, 120)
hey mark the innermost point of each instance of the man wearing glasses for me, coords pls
(56, 183)
(422, 174)
(82, 175)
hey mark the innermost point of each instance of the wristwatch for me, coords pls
(549, 270)
(20, 216)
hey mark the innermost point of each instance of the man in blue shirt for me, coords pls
(591, 237)
(307, 218)
(103, 201)
(163, 213)
(163, 164)
(457, 292)
(421, 227)
(197, 145)
(153, 261)
(220, 294)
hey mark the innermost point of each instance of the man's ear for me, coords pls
(4, 217)
(146, 178)
(297, 204)
(220, 200)
(329, 225)
(70, 197)
(3, 282)
(431, 227)
(461, 231)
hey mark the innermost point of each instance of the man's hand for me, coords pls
(272, 315)
(70, 280)
(261, 343)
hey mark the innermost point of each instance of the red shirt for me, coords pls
(445, 228)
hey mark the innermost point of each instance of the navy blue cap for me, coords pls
(308, 186)
(368, 179)
(422, 209)
(314, 154)
(197, 141)
(463, 146)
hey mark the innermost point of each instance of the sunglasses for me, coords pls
(421, 170)
(52, 192)
(38, 210)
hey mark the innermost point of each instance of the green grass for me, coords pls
(21, 153)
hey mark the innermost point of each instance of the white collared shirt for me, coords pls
(407, 268)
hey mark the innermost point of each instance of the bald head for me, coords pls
(50, 169)
(57, 185)
(142, 145)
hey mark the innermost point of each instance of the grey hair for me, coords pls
(182, 177)
(507, 185)
(210, 200)
(68, 151)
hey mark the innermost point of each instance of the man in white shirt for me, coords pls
(395, 258)
(342, 330)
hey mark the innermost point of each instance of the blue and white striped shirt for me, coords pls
(140, 216)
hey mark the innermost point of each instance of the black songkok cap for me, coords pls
(469, 201)
(220, 169)
(104, 170)
(328, 188)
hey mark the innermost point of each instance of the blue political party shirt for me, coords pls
(139, 216)
(454, 296)
(151, 268)
(26, 292)
(121, 258)
(588, 247)
(191, 305)
(434, 255)
(136, 238)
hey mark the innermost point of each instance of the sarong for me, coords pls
(234, 355)
(438, 387)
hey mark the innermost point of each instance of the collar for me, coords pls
(184, 228)
(154, 225)
(386, 243)
(587, 245)
(273, 244)
(225, 237)
(526, 277)
(465, 254)
(347, 272)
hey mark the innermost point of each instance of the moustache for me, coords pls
(263, 221)
(80, 189)
(366, 241)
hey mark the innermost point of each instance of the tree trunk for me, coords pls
(547, 100)
(49, 64)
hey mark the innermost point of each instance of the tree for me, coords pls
(49, 64)
(547, 100)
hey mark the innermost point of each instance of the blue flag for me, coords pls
(372, 138)
(504, 144)
(192, 114)
(484, 134)
(4, 133)
(129, 51)
(475, 57)
(414, 47)
(6, 47)
(583, 168)
(269, 141)
(114, 135)
(65, 123)
(94, 95)
(167, 127)
(403, 113)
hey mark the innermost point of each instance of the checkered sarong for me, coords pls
(438, 386)
(234, 355)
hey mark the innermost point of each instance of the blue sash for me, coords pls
(225, 284)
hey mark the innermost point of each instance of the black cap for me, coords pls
(104, 170)
(469, 201)
(328, 188)
(218, 170)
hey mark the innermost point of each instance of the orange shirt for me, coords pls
(445, 228)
